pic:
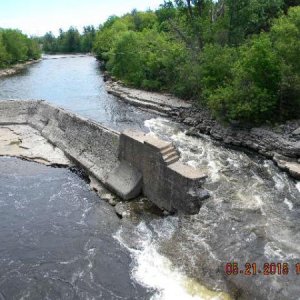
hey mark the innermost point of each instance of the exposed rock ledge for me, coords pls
(280, 143)
(162, 104)
(17, 68)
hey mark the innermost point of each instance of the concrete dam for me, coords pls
(129, 163)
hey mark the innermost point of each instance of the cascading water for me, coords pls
(252, 216)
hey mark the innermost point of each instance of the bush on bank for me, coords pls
(240, 59)
(17, 47)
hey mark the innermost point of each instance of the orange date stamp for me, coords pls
(267, 269)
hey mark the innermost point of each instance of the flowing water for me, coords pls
(75, 84)
(56, 238)
(252, 214)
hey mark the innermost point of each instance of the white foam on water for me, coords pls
(279, 184)
(155, 271)
(272, 251)
(288, 203)
(298, 186)
(187, 146)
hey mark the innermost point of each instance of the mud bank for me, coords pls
(17, 68)
(280, 143)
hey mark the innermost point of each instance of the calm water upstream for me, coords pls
(253, 214)
(75, 84)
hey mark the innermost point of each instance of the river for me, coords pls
(75, 84)
(252, 214)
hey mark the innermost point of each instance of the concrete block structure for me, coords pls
(167, 182)
(128, 163)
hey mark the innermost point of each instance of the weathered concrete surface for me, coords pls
(173, 187)
(25, 142)
(93, 146)
(89, 144)
(125, 180)
(99, 150)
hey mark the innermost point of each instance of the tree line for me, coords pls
(70, 41)
(238, 58)
(17, 47)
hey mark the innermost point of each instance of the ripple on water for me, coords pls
(251, 216)
(56, 238)
(153, 270)
(75, 83)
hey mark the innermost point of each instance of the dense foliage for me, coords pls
(239, 58)
(17, 47)
(70, 41)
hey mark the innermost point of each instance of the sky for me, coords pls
(36, 17)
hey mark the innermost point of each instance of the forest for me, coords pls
(17, 47)
(70, 41)
(238, 58)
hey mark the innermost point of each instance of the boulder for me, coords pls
(296, 132)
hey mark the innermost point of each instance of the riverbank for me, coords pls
(14, 69)
(280, 143)
(162, 104)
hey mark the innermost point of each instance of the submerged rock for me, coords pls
(296, 132)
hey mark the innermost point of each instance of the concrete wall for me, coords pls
(91, 145)
(174, 187)
(133, 161)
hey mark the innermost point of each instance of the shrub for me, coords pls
(252, 94)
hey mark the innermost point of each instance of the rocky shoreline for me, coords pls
(17, 68)
(280, 143)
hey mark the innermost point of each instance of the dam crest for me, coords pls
(129, 163)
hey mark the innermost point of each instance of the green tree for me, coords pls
(87, 39)
(240, 58)
(15, 44)
(248, 17)
(70, 41)
(34, 50)
(107, 36)
(252, 95)
(285, 34)
(125, 58)
(49, 43)
(4, 57)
